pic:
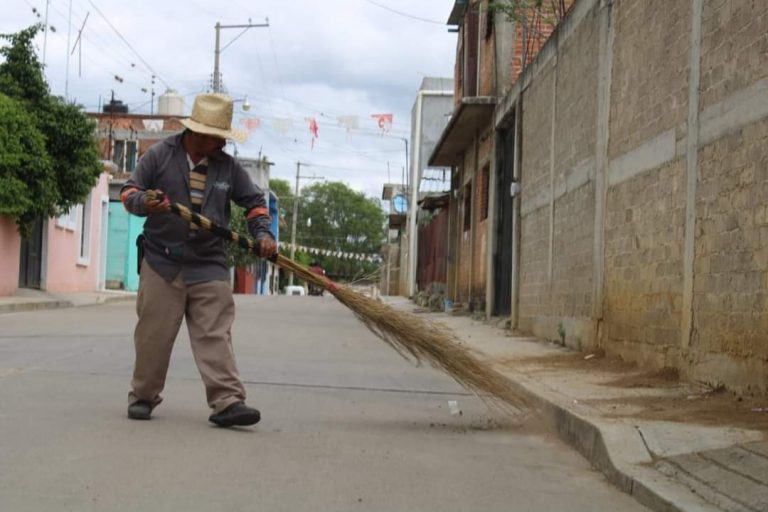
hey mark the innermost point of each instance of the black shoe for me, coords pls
(236, 414)
(140, 410)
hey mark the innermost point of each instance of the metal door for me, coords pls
(502, 264)
(31, 260)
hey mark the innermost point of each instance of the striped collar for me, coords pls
(192, 165)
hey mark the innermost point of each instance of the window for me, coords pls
(84, 246)
(68, 219)
(483, 186)
(124, 153)
(488, 21)
(467, 206)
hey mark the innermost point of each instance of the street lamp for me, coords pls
(246, 104)
(246, 107)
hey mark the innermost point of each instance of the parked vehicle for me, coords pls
(314, 289)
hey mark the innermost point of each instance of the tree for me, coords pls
(236, 256)
(334, 217)
(68, 136)
(27, 185)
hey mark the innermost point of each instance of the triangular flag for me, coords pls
(384, 121)
(349, 122)
(312, 130)
(282, 126)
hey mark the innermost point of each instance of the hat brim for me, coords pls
(235, 135)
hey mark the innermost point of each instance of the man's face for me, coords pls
(207, 145)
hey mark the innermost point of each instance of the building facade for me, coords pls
(123, 138)
(628, 165)
(429, 116)
(63, 254)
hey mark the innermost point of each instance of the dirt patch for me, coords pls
(676, 401)
(664, 378)
(719, 408)
(588, 361)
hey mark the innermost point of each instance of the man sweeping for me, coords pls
(183, 269)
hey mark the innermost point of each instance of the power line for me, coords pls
(338, 168)
(404, 13)
(128, 44)
(105, 47)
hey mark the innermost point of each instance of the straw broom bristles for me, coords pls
(406, 333)
(421, 339)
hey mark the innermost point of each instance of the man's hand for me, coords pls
(267, 247)
(154, 205)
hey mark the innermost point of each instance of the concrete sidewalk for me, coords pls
(673, 446)
(30, 300)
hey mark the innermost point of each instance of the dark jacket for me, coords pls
(171, 246)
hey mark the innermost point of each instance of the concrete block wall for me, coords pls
(649, 84)
(573, 148)
(644, 232)
(645, 210)
(644, 174)
(536, 195)
(728, 339)
(730, 297)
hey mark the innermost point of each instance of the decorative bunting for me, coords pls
(370, 258)
(282, 126)
(384, 121)
(349, 122)
(312, 130)
(250, 123)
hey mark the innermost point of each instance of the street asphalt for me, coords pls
(347, 425)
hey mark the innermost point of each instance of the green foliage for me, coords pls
(68, 167)
(21, 74)
(532, 12)
(73, 149)
(27, 184)
(237, 256)
(333, 216)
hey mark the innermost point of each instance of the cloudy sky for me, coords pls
(317, 59)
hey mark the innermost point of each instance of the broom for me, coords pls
(407, 334)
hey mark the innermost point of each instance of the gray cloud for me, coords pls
(318, 59)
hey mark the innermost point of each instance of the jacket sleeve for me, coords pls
(132, 193)
(249, 196)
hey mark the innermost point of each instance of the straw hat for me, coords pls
(212, 115)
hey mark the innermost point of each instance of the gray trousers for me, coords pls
(209, 310)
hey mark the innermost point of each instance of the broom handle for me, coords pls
(244, 242)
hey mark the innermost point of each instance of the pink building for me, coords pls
(64, 254)
(10, 245)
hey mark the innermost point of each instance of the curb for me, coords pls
(21, 307)
(649, 487)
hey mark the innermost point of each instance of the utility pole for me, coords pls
(218, 50)
(296, 212)
(45, 37)
(69, 37)
(79, 41)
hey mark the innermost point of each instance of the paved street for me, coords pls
(347, 425)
